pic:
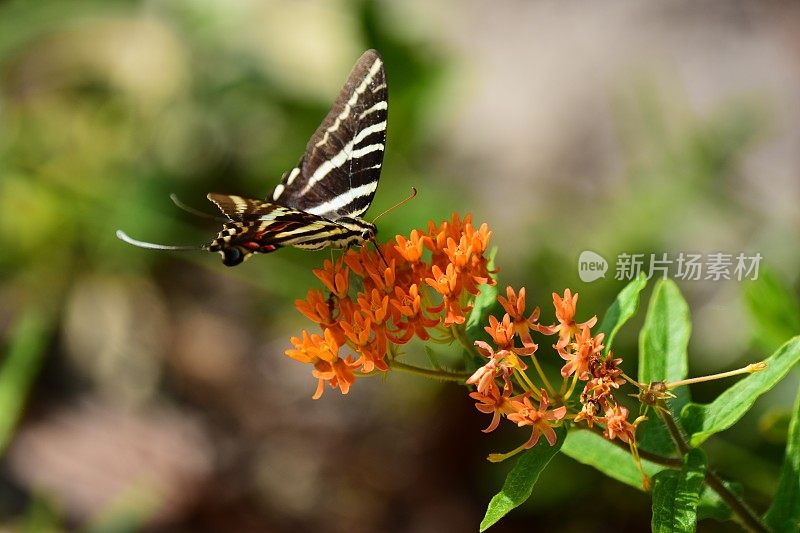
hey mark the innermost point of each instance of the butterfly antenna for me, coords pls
(192, 210)
(121, 235)
(398, 204)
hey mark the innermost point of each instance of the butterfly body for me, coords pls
(320, 202)
(257, 226)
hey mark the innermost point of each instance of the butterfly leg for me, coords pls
(378, 249)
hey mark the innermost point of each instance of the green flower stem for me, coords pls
(498, 457)
(749, 518)
(632, 381)
(749, 369)
(459, 334)
(546, 382)
(442, 375)
(670, 462)
(530, 386)
(571, 387)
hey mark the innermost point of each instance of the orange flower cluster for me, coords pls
(427, 282)
(423, 286)
(582, 352)
(597, 397)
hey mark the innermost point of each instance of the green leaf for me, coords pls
(29, 338)
(664, 338)
(784, 513)
(663, 344)
(484, 303)
(676, 495)
(592, 449)
(520, 481)
(703, 420)
(622, 309)
(774, 309)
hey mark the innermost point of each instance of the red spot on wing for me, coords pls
(276, 227)
(250, 245)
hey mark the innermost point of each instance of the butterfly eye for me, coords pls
(367, 235)
(232, 256)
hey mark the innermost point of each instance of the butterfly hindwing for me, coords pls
(338, 174)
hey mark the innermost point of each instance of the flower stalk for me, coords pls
(749, 369)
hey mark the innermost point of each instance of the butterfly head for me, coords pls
(361, 230)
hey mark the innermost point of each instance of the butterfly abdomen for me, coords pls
(237, 241)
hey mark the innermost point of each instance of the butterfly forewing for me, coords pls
(338, 174)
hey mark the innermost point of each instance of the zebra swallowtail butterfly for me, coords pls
(320, 202)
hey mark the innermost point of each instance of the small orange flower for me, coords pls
(411, 249)
(589, 413)
(565, 314)
(479, 240)
(373, 355)
(501, 364)
(436, 236)
(382, 276)
(358, 330)
(607, 367)
(372, 315)
(539, 419)
(515, 307)
(313, 347)
(317, 308)
(337, 374)
(357, 259)
(335, 278)
(445, 283)
(617, 425)
(600, 388)
(410, 318)
(376, 306)
(459, 253)
(493, 402)
(502, 332)
(323, 353)
(579, 354)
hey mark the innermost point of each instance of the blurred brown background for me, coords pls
(146, 390)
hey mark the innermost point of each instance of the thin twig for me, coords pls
(444, 375)
(749, 518)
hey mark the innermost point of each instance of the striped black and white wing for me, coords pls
(263, 226)
(338, 174)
